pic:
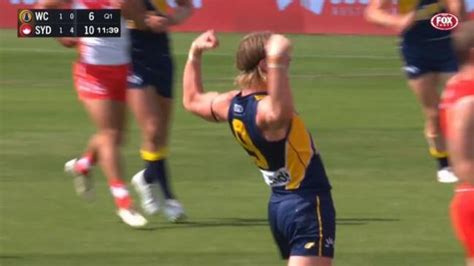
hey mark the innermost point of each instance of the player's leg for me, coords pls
(80, 168)
(172, 208)
(425, 89)
(153, 113)
(151, 102)
(142, 103)
(309, 261)
(461, 142)
(461, 148)
(109, 119)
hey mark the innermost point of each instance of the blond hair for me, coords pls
(250, 52)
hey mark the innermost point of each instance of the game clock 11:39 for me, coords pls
(99, 31)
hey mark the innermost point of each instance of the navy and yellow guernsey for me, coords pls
(157, 5)
(422, 30)
(288, 165)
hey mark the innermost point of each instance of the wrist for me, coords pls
(194, 53)
(282, 61)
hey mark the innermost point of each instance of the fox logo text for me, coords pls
(444, 21)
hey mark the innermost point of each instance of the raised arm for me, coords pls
(211, 106)
(276, 110)
(377, 12)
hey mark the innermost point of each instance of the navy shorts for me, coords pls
(429, 56)
(152, 63)
(303, 224)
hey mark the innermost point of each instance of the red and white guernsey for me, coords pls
(103, 51)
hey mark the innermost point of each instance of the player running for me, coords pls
(457, 113)
(150, 99)
(429, 61)
(100, 78)
(262, 119)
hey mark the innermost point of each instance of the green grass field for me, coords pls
(352, 95)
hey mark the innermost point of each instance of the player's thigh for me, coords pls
(309, 261)
(461, 140)
(425, 89)
(106, 114)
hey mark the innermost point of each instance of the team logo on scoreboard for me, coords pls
(26, 16)
(26, 30)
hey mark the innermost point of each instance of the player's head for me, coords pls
(249, 58)
(464, 43)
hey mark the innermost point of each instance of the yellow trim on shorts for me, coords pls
(438, 154)
(320, 222)
(154, 156)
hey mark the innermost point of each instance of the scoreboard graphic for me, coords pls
(69, 23)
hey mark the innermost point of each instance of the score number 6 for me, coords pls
(91, 16)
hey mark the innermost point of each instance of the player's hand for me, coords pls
(278, 49)
(68, 42)
(206, 41)
(156, 23)
(405, 22)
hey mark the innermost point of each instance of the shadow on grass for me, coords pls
(252, 222)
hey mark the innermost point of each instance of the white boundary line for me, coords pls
(329, 56)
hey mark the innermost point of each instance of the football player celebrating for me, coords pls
(263, 121)
(429, 61)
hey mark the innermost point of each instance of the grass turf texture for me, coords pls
(350, 92)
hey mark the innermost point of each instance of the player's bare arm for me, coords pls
(276, 111)
(211, 106)
(377, 12)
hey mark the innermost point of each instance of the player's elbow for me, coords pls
(187, 103)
